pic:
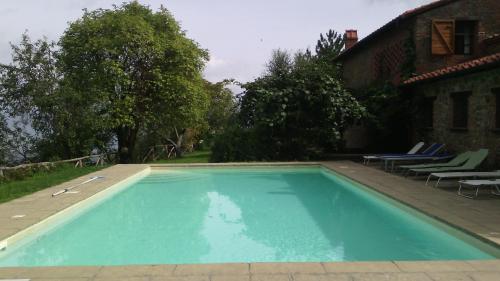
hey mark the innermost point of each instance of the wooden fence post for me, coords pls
(79, 163)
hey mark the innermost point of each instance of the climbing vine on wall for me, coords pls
(410, 56)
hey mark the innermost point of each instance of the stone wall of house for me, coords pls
(485, 12)
(481, 131)
(380, 60)
(492, 45)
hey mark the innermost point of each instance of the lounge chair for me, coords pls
(494, 184)
(462, 175)
(458, 160)
(432, 150)
(414, 150)
(475, 159)
(429, 154)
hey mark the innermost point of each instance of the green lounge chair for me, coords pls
(462, 175)
(475, 159)
(458, 160)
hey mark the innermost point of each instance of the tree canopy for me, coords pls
(137, 67)
(222, 106)
(33, 90)
(297, 110)
(113, 73)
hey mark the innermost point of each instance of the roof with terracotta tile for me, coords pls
(469, 66)
(394, 23)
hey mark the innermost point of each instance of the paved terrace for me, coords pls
(481, 217)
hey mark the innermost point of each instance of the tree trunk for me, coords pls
(126, 144)
(178, 145)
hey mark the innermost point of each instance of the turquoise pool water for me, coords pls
(240, 215)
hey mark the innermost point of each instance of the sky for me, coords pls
(239, 34)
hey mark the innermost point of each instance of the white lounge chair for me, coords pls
(478, 184)
(462, 175)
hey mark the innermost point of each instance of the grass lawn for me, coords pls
(201, 156)
(40, 180)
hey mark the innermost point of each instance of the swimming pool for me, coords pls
(250, 214)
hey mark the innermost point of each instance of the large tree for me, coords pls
(329, 46)
(48, 113)
(297, 110)
(136, 68)
(221, 107)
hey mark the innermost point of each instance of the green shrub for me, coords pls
(235, 144)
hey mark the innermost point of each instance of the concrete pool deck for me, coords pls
(478, 217)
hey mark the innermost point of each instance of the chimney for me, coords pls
(351, 38)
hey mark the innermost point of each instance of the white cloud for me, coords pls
(215, 62)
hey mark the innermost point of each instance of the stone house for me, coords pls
(446, 55)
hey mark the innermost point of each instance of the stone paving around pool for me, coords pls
(401, 271)
(479, 217)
